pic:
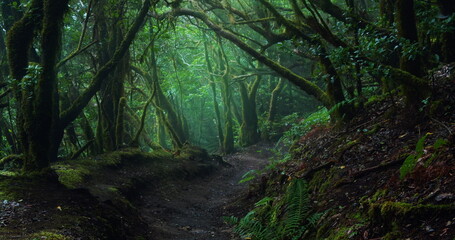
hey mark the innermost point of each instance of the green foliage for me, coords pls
(263, 202)
(298, 128)
(436, 146)
(411, 161)
(250, 175)
(275, 218)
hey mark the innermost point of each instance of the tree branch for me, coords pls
(299, 81)
(75, 109)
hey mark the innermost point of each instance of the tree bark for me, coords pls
(407, 29)
(213, 87)
(249, 133)
(274, 99)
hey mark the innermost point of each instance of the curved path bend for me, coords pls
(193, 210)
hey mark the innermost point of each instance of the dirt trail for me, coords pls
(193, 210)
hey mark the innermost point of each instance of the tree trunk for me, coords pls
(41, 124)
(228, 141)
(249, 133)
(407, 29)
(213, 87)
(447, 8)
(274, 99)
(165, 109)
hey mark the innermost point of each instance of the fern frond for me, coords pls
(297, 209)
(263, 202)
(231, 220)
(288, 218)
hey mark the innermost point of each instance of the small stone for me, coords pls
(186, 228)
(444, 196)
(429, 229)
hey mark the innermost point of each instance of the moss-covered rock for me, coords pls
(389, 211)
(48, 236)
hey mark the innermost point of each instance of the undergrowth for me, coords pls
(296, 128)
(278, 219)
(411, 161)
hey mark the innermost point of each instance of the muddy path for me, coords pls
(193, 210)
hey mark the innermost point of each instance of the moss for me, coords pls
(342, 233)
(6, 190)
(394, 235)
(356, 220)
(388, 211)
(373, 130)
(330, 179)
(11, 162)
(9, 173)
(48, 236)
(366, 201)
(127, 156)
(347, 146)
(71, 177)
(193, 153)
(377, 98)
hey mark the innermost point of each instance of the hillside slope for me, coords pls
(385, 175)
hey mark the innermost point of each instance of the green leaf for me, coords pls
(408, 165)
(420, 145)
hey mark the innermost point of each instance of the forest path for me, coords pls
(193, 210)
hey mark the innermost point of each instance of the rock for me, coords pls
(444, 196)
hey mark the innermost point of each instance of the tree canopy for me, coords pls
(92, 76)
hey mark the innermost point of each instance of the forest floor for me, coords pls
(193, 210)
(130, 195)
(383, 176)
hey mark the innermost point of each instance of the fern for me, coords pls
(297, 209)
(231, 220)
(263, 202)
(411, 161)
(288, 218)
(250, 228)
(250, 175)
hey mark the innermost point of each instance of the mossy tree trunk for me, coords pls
(89, 134)
(228, 141)
(214, 95)
(40, 122)
(110, 31)
(274, 100)
(165, 109)
(119, 123)
(19, 42)
(342, 110)
(160, 130)
(447, 9)
(407, 29)
(249, 132)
